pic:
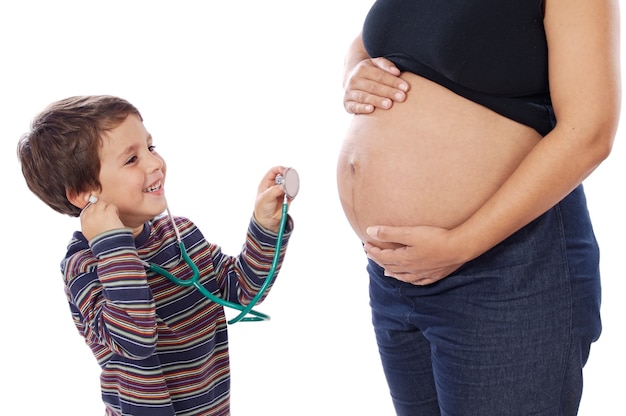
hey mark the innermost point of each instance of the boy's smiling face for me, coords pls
(132, 173)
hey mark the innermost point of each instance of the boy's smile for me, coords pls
(132, 173)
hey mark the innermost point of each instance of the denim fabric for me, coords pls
(506, 334)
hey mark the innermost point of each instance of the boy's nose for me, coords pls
(155, 162)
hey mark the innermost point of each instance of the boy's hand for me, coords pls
(98, 218)
(269, 200)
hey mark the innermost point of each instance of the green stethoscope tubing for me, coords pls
(244, 310)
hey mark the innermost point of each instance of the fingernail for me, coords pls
(372, 231)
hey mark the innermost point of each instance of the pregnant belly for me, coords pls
(432, 160)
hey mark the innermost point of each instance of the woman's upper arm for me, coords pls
(584, 73)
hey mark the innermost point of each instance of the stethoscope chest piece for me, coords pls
(290, 181)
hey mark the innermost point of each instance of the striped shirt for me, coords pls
(163, 348)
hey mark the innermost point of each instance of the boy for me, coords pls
(163, 348)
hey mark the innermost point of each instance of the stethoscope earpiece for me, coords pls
(92, 200)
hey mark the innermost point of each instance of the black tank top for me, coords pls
(493, 52)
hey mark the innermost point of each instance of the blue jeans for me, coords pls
(506, 334)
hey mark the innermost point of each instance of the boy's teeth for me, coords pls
(153, 188)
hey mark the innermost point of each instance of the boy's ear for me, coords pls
(79, 199)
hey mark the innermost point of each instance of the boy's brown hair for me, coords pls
(60, 154)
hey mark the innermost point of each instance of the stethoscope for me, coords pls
(290, 182)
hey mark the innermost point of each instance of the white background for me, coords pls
(228, 89)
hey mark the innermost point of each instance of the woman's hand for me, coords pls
(373, 83)
(426, 254)
(269, 200)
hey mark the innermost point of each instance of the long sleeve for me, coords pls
(241, 277)
(113, 299)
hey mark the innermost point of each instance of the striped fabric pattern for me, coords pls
(163, 348)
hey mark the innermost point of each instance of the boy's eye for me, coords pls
(133, 159)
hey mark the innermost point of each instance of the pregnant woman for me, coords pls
(476, 122)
